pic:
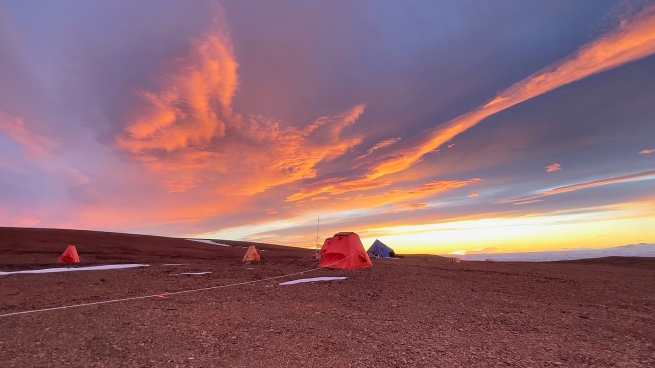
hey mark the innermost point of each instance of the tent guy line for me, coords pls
(160, 295)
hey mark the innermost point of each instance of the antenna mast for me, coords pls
(318, 223)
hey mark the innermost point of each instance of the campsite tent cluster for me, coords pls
(343, 251)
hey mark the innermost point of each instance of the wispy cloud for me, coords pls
(473, 195)
(647, 175)
(647, 151)
(379, 145)
(553, 167)
(407, 207)
(35, 146)
(402, 197)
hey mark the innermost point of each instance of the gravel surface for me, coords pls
(418, 311)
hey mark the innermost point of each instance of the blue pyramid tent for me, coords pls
(381, 249)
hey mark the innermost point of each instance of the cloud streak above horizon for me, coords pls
(648, 175)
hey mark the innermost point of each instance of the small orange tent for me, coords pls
(69, 255)
(251, 254)
(344, 251)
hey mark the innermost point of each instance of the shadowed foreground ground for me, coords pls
(411, 312)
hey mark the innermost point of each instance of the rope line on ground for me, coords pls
(159, 295)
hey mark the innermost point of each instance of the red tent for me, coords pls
(324, 247)
(345, 251)
(69, 255)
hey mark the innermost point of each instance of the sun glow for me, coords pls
(523, 234)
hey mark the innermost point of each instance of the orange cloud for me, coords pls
(553, 167)
(647, 175)
(634, 39)
(473, 195)
(401, 199)
(379, 145)
(34, 145)
(439, 186)
(186, 132)
(336, 187)
(647, 151)
(194, 99)
(528, 202)
(410, 207)
(398, 196)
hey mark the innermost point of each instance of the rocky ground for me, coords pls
(417, 311)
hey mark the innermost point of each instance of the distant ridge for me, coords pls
(631, 250)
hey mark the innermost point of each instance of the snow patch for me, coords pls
(209, 242)
(70, 269)
(191, 273)
(313, 279)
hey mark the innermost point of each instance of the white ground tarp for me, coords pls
(313, 279)
(71, 269)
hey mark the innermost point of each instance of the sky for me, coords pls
(435, 126)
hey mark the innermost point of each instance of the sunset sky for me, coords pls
(434, 126)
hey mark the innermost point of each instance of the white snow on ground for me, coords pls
(634, 250)
(176, 264)
(209, 242)
(70, 269)
(191, 273)
(313, 279)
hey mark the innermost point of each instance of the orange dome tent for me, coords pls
(69, 255)
(344, 251)
(251, 254)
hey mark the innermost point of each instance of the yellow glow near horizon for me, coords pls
(529, 234)
(594, 227)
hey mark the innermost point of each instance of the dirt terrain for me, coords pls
(417, 311)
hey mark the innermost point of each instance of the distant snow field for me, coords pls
(70, 269)
(633, 250)
(209, 242)
(313, 279)
(191, 273)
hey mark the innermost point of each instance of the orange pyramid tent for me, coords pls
(251, 254)
(344, 251)
(69, 255)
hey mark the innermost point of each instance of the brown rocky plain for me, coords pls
(417, 311)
